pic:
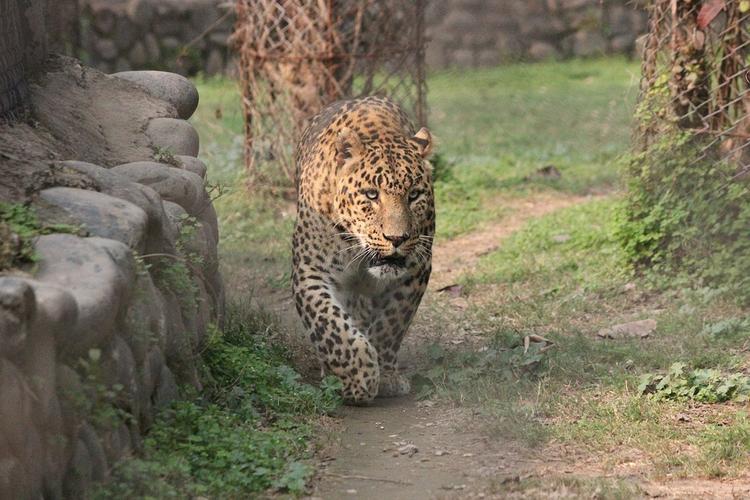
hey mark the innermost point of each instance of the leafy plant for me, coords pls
(165, 155)
(686, 214)
(727, 327)
(248, 433)
(19, 226)
(99, 401)
(702, 385)
(176, 272)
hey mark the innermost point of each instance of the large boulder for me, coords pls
(101, 215)
(160, 232)
(175, 136)
(170, 87)
(173, 184)
(99, 273)
(193, 164)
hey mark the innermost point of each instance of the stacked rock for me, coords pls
(186, 36)
(98, 336)
(468, 33)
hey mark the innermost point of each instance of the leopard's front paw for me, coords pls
(393, 384)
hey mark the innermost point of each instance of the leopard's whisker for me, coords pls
(356, 245)
(356, 256)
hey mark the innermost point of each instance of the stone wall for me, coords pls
(467, 33)
(185, 36)
(98, 333)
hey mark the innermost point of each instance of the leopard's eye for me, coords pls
(414, 194)
(371, 194)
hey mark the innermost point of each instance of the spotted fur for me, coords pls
(363, 240)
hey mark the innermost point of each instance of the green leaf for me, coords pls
(294, 478)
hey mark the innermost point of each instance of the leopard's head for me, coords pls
(384, 198)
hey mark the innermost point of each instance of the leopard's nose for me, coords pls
(396, 239)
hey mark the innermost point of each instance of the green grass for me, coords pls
(583, 390)
(726, 447)
(219, 122)
(498, 126)
(251, 431)
(255, 227)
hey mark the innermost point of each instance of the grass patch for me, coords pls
(569, 250)
(727, 447)
(499, 126)
(561, 277)
(256, 242)
(219, 123)
(248, 433)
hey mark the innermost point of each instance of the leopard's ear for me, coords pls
(423, 142)
(348, 145)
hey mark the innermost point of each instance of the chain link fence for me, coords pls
(694, 65)
(23, 49)
(296, 56)
(688, 203)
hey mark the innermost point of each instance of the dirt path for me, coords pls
(399, 449)
(459, 256)
(404, 449)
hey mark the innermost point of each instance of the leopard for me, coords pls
(362, 242)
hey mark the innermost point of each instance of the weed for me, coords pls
(173, 274)
(176, 273)
(215, 190)
(249, 432)
(19, 226)
(165, 155)
(99, 401)
(702, 385)
(727, 327)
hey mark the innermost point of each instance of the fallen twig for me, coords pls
(368, 478)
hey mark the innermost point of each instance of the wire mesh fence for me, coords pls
(296, 56)
(694, 76)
